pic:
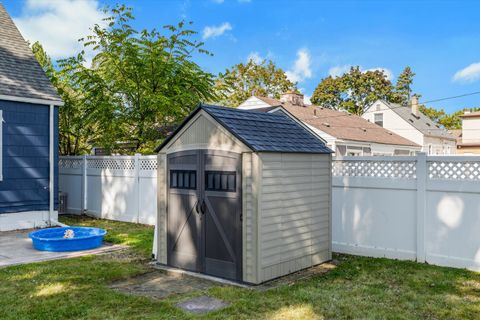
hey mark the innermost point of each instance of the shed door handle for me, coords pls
(196, 206)
(202, 207)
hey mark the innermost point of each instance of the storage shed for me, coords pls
(243, 195)
(28, 135)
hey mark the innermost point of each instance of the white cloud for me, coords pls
(215, 31)
(255, 57)
(58, 25)
(306, 98)
(301, 68)
(338, 71)
(470, 73)
(387, 72)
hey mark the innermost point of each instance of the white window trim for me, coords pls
(381, 154)
(356, 152)
(1, 145)
(375, 120)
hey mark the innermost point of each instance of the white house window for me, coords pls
(354, 151)
(1, 145)
(378, 117)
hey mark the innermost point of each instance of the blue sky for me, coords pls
(439, 40)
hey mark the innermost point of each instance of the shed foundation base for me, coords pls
(25, 220)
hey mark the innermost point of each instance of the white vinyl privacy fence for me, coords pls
(120, 188)
(416, 208)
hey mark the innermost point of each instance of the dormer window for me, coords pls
(378, 117)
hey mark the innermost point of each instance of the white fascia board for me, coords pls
(31, 100)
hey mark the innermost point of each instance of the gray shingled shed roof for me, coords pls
(422, 123)
(20, 74)
(262, 132)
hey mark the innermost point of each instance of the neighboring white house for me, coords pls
(345, 133)
(468, 142)
(413, 125)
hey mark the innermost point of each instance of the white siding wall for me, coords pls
(294, 212)
(470, 130)
(439, 146)
(393, 122)
(253, 103)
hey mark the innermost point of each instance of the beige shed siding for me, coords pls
(161, 229)
(203, 132)
(249, 226)
(294, 213)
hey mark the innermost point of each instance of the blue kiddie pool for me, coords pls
(67, 239)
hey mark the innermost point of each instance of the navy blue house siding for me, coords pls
(25, 157)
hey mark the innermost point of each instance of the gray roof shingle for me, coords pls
(20, 74)
(263, 132)
(421, 122)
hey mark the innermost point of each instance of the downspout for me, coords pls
(51, 184)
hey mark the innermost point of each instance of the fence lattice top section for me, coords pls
(71, 162)
(438, 167)
(454, 170)
(111, 163)
(115, 163)
(374, 168)
(148, 164)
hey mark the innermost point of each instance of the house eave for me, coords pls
(47, 102)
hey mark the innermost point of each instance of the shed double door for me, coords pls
(204, 212)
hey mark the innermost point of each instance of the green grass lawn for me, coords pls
(357, 288)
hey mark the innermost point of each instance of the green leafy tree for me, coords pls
(76, 126)
(403, 87)
(448, 121)
(353, 91)
(435, 114)
(139, 82)
(243, 80)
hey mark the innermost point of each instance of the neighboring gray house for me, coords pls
(28, 135)
(243, 195)
(413, 125)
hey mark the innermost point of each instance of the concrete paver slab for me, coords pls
(16, 248)
(201, 305)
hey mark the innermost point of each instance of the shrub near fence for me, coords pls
(417, 208)
(120, 188)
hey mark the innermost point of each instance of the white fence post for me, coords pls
(84, 184)
(137, 185)
(422, 173)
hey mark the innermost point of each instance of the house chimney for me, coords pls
(293, 97)
(414, 104)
